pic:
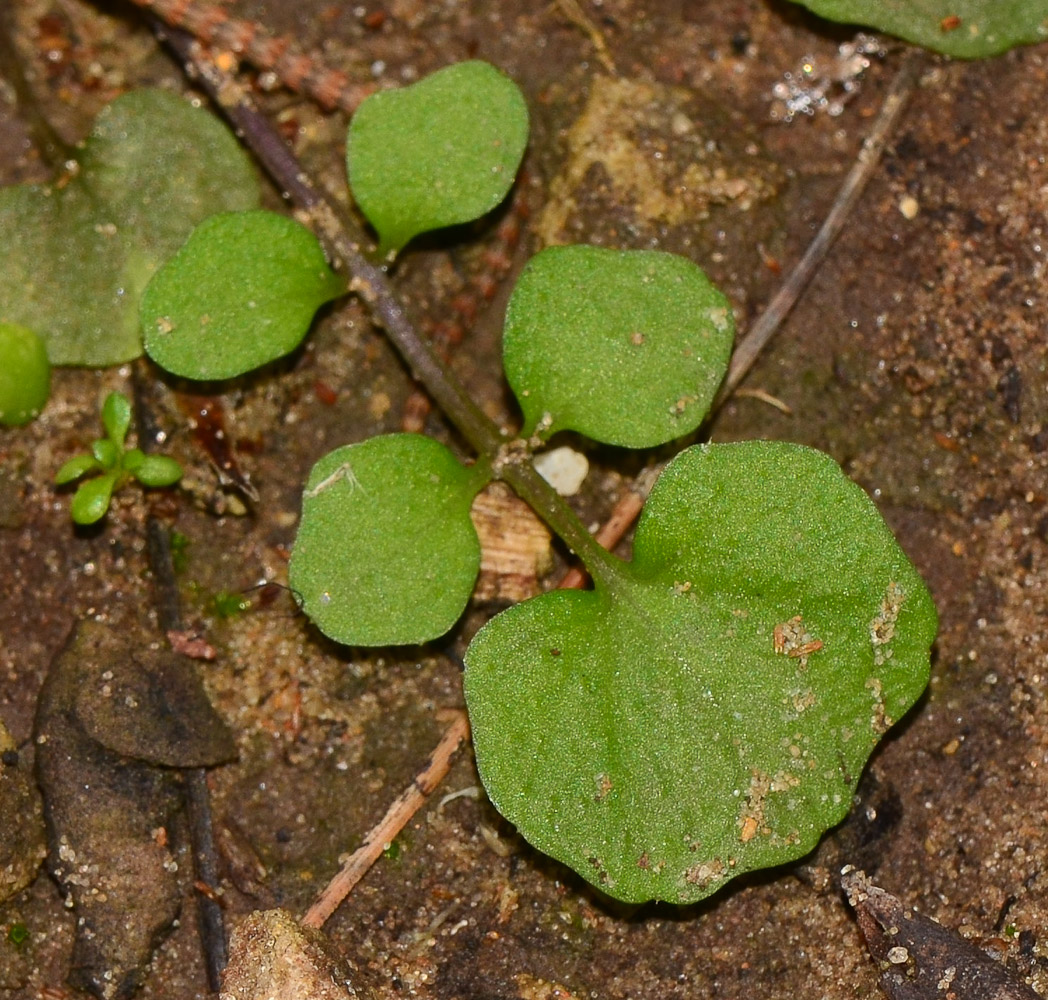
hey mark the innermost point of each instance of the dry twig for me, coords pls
(382, 834)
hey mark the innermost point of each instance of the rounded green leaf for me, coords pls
(625, 346)
(438, 153)
(77, 466)
(25, 375)
(969, 29)
(386, 553)
(241, 292)
(78, 254)
(157, 470)
(707, 710)
(91, 500)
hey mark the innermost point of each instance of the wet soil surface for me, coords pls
(918, 358)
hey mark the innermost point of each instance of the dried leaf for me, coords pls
(920, 959)
(107, 813)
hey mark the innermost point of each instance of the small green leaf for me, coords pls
(438, 153)
(229, 604)
(116, 417)
(25, 375)
(241, 292)
(132, 459)
(708, 708)
(91, 500)
(156, 470)
(968, 29)
(386, 553)
(77, 466)
(18, 933)
(625, 346)
(78, 255)
(105, 452)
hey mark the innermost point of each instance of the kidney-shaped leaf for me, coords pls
(625, 346)
(77, 255)
(969, 29)
(241, 292)
(438, 153)
(386, 553)
(707, 709)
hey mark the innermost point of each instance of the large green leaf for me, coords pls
(707, 709)
(78, 254)
(241, 292)
(969, 29)
(386, 553)
(438, 153)
(625, 346)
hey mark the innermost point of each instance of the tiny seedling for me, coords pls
(708, 707)
(110, 465)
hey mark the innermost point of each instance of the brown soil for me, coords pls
(918, 358)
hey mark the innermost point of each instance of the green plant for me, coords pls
(969, 29)
(152, 168)
(25, 375)
(17, 933)
(114, 465)
(708, 707)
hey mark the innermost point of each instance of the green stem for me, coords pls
(552, 508)
(342, 241)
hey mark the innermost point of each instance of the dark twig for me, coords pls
(198, 799)
(749, 347)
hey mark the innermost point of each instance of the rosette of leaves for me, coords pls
(708, 707)
(109, 465)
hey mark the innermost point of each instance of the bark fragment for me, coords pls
(920, 959)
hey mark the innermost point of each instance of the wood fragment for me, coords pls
(919, 958)
(514, 546)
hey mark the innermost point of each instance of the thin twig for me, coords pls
(383, 833)
(748, 349)
(305, 74)
(210, 919)
(573, 11)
